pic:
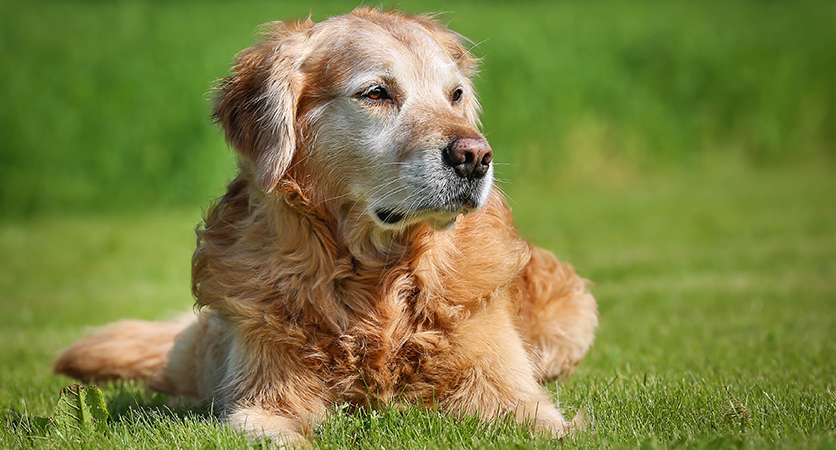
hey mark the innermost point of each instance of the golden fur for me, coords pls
(310, 295)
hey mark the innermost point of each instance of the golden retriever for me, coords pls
(362, 254)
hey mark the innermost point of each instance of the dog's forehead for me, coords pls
(365, 50)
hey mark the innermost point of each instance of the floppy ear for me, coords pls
(257, 104)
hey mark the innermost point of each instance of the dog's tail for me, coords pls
(127, 350)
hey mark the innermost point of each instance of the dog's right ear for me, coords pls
(257, 104)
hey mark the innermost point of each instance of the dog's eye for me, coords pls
(377, 93)
(456, 96)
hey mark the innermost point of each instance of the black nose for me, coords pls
(469, 157)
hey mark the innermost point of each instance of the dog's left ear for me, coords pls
(257, 104)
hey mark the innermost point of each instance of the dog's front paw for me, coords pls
(567, 429)
(553, 423)
(258, 423)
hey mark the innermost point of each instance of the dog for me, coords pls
(362, 255)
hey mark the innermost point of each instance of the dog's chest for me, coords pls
(376, 362)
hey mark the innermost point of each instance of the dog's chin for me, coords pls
(441, 224)
(439, 215)
(395, 220)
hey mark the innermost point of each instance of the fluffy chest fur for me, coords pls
(373, 325)
(394, 353)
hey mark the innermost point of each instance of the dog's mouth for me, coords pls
(436, 210)
(439, 220)
(389, 216)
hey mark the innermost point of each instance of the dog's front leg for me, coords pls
(268, 391)
(282, 428)
(496, 376)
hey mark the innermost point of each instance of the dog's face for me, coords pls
(372, 111)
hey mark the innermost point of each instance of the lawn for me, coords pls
(682, 155)
(718, 323)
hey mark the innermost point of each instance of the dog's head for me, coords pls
(372, 111)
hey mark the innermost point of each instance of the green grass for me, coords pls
(718, 323)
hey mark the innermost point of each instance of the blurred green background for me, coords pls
(105, 104)
(681, 154)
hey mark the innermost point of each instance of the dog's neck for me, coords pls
(345, 223)
(282, 250)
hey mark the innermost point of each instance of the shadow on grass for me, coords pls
(126, 400)
(138, 417)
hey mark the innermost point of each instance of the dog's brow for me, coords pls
(366, 80)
